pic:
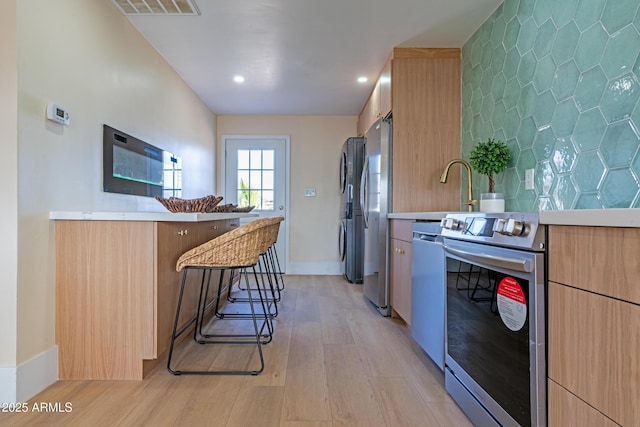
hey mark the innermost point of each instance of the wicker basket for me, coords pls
(225, 208)
(237, 248)
(205, 204)
(244, 209)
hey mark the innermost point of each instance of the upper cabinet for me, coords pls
(379, 102)
(421, 88)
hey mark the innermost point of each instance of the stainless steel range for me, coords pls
(495, 333)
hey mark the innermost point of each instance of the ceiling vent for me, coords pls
(157, 7)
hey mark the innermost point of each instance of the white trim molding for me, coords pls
(18, 384)
(316, 268)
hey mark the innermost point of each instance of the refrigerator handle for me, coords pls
(364, 198)
(350, 192)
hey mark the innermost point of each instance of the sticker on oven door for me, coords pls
(512, 304)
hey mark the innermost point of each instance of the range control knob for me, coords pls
(498, 226)
(514, 227)
(450, 224)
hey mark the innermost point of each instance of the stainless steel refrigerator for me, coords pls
(376, 204)
(351, 239)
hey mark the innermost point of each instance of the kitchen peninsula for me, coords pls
(116, 286)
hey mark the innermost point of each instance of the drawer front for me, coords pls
(565, 409)
(603, 260)
(401, 229)
(594, 350)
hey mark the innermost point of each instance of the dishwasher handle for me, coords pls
(514, 264)
(425, 237)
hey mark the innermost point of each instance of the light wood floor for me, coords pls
(334, 361)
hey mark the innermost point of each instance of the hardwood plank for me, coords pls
(306, 394)
(379, 377)
(449, 415)
(352, 399)
(257, 405)
(400, 403)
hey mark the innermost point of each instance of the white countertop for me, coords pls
(584, 217)
(592, 217)
(434, 216)
(146, 216)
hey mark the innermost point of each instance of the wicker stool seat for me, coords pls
(269, 266)
(239, 249)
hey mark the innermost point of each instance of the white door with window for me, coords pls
(256, 174)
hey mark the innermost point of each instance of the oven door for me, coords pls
(495, 331)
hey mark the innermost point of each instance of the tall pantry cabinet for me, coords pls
(420, 89)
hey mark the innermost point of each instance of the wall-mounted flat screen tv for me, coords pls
(132, 166)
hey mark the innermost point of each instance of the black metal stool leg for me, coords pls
(201, 304)
(174, 334)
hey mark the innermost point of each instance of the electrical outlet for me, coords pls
(528, 179)
(309, 192)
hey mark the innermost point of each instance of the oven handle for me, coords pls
(492, 260)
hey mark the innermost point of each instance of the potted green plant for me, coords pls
(489, 158)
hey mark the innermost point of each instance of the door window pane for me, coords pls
(243, 159)
(256, 179)
(267, 180)
(267, 159)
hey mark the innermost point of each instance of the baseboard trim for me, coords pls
(19, 384)
(315, 268)
(8, 384)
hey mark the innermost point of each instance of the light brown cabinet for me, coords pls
(379, 102)
(116, 290)
(594, 324)
(400, 267)
(421, 87)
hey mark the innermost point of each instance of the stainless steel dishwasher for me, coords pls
(428, 270)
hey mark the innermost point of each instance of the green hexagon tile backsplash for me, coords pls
(559, 82)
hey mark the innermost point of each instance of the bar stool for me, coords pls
(270, 269)
(237, 249)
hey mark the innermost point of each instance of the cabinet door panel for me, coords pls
(565, 409)
(400, 273)
(401, 229)
(426, 133)
(172, 240)
(104, 298)
(610, 253)
(594, 350)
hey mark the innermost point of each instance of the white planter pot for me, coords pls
(492, 202)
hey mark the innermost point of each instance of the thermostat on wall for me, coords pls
(57, 114)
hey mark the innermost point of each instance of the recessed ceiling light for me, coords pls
(238, 79)
(362, 79)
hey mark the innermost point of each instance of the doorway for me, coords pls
(256, 173)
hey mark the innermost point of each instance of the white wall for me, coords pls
(315, 153)
(9, 211)
(85, 56)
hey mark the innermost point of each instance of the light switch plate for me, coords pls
(309, 192)
(528, 179)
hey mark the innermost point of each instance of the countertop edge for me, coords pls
(613, 217)
(146, 216)
(623, 217)
(436, 216)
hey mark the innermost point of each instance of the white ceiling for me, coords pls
(301, 56)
